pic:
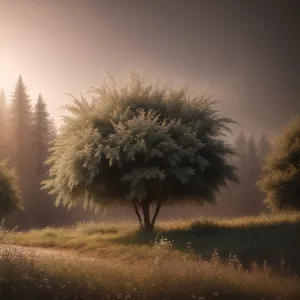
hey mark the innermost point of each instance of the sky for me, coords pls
(245, 52)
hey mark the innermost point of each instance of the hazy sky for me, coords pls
(247, 50)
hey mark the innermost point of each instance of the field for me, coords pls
(204, 258)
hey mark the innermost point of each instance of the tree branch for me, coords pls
(156, 212)
(137, 212)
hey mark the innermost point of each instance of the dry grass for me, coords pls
(165, 276)
(174, 262)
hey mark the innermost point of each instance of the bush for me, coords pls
(282, 180)
(9, 193)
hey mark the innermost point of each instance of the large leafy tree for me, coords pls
(281, 181)
(10, 199)
(142, 144)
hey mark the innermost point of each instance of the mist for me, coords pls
(245, 53)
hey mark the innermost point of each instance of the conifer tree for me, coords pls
(21, 153)
(241, 159)
(41, 205)
(41, 136)
(237, 191)
(264, 148)
(252, 175)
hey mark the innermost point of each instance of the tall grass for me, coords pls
(176, 276)
(244, 258)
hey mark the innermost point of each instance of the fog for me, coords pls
(245, 52)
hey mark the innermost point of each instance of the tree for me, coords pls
(3, 126)
(41, 206)
(281, 182)
(252, 175)
(142, 144)
(264, 148)
(237, 193)
(21, 154)
(42, 132)
(241, 147)
(10, 199)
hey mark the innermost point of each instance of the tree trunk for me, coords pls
(148, 227)
(136, 209)
(144, 215)
(157, 209)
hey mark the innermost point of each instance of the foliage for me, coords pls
(281, 182)
(9, 194)
(142, 144)
(42, 135)
(41, 205)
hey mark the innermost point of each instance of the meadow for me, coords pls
(203, 258)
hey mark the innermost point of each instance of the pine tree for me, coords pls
(3, 143)
(43, 133)
(41, 136)
(241, 145)
(237, 192)
(21, 118)
(253, 172)
(264, 148)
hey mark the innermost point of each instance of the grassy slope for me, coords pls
(173, 270)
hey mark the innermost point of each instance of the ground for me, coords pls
(205, 258)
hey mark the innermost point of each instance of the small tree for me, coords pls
(281, 182)
(9, 194)
(141, 144)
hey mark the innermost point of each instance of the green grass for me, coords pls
(256, 257)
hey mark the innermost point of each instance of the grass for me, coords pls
(256, 258)
(27, 277)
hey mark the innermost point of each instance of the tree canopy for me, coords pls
(142, 144)
(9, 194)
(281, 182)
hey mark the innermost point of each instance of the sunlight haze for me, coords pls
(66, 46)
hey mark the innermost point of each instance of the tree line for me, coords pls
(25, 137)
(142, 146)
(246, 198)
(26, 134)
